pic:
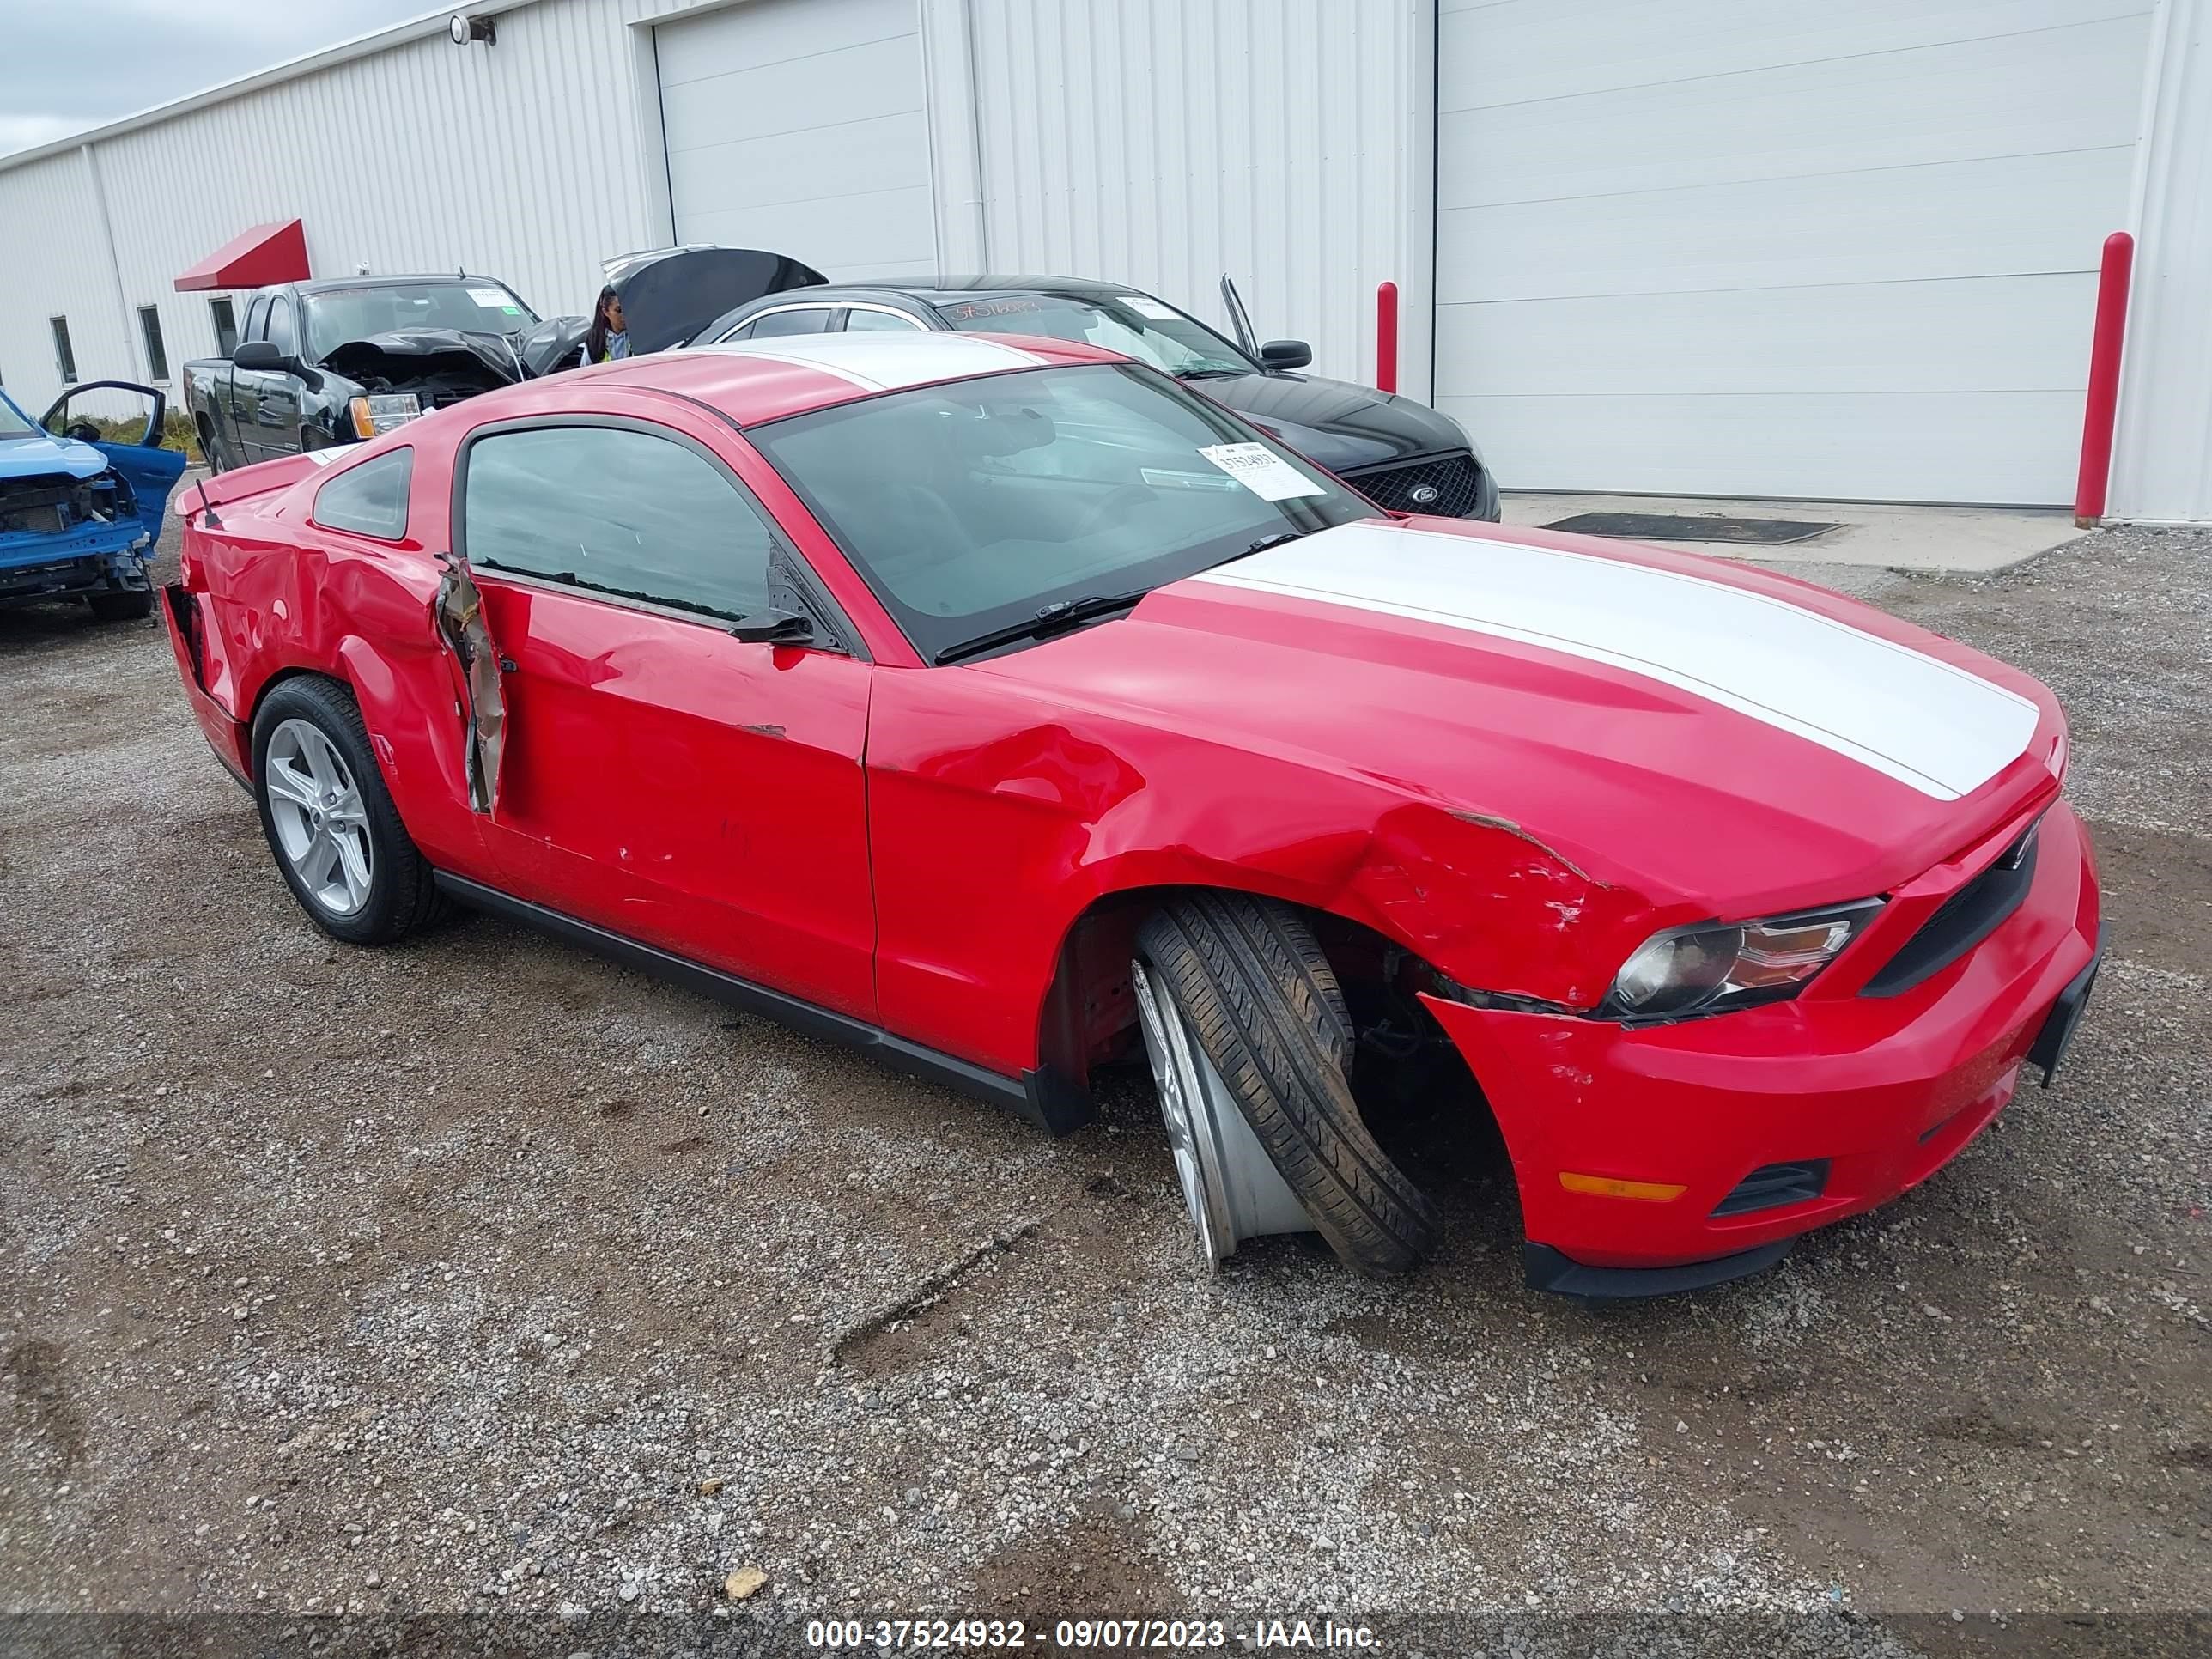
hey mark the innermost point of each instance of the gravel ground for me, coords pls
(475, 1273)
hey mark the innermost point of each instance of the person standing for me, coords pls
(607, 340)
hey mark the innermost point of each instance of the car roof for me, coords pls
(335, 284)
(753, 382)
(943, 289)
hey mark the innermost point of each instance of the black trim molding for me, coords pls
(1550, 1270)
(1041, 1096)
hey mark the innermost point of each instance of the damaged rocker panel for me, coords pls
(1039, 1097)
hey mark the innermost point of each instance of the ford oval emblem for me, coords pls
(1425, 494)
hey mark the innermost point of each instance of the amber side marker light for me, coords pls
(1650, 1192)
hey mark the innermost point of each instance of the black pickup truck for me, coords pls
(334, 362)
(338, 361)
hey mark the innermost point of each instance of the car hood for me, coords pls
(39, 456)
(1700, 735)
(1336, 424)
(402, 349)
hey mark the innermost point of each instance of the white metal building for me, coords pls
(1839, 249)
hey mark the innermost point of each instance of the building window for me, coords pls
(157, 355)
(226, 327)
(65, 357)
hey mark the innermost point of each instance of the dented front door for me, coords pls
(653, 774)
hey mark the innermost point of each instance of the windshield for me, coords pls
(14, 424)
(476, 305)
(972, 506)
(1135, 324)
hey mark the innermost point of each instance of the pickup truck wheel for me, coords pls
(337, 838)
(121, 607)
(1246, 1028)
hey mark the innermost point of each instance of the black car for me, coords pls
(1402, 455)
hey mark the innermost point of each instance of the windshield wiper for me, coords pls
(1049, 619)
(1267, 542)
(1210, 373)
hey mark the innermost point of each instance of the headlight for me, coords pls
(1711, 967)
(374, 415)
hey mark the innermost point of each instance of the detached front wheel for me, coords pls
(1251, 1044)
(336, 836)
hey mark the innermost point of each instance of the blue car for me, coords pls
(79, 511)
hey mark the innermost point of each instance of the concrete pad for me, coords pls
(1976, 539)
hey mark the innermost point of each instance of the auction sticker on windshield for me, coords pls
(1144, 307)
(1260, 470)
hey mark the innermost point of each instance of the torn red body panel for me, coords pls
(1517, 756)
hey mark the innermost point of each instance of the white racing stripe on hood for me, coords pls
(1942, 730)
(880, 361)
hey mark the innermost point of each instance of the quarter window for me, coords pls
(616, 511)
(370, 499)
(861, 320)
(800, 320)
(257, 318)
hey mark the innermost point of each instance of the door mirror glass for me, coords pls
(1286, 354)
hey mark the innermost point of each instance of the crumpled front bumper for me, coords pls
(1886, 1090)
(71, 564)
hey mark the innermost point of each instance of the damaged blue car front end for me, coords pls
(79, 511)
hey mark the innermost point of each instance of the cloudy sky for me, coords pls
(74, 66)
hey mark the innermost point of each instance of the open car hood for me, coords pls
(668, 295)
(419, 350)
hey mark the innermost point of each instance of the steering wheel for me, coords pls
(1119, 503)
(84, 431)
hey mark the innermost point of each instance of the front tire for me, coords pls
(1261, 1007)
(330, 822)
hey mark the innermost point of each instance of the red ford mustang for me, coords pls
(1005, 707)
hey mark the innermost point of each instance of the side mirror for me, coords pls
(1286, 354)
(774, 627)
(259, 354)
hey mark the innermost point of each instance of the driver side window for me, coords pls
(615, 512)
(280, 325)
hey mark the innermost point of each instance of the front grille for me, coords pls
(1774, 1185)
(1962, 921)
(1457, 480)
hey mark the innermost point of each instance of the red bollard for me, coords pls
(1386, 337)
(2104, 403)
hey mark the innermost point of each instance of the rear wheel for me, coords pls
(121, 607)
(336, 836)
(1250, 1043)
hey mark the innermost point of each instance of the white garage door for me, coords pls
(1779, 247)
(797, 125)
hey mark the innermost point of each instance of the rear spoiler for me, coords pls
(258, 479)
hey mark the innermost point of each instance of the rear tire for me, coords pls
(330, 822)
(1254, 990)
(121, 607)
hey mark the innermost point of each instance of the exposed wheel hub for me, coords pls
(1230, 1184)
